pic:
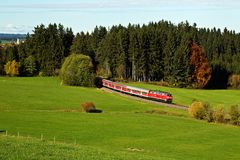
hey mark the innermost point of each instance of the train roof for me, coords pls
(107, 80)
(138, 89)
(113, 82)
(129, 87)
(162, 92)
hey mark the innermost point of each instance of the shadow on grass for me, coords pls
(95, 111)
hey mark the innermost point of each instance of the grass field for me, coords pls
(41, 106)
(5, 41)
(30, 148)
(182, 96)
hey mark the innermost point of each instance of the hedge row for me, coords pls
(204, 111)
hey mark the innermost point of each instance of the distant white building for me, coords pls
(19, 41)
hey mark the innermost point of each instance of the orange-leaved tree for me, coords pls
(202, 71)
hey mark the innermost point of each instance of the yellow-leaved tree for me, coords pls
(11, 68)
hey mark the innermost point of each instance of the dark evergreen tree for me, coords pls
(48, 46)
(182, 69)
(98, 34)
(157, 40)
(154, 51)
(2, 60)
(169, 51)
(124, 66)
(134, 49)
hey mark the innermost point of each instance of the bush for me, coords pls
(209, 115)
(88, 106)
(200, 110)
(30, 66)
(234, 115)
(219, 115)
(12, 68)
(163, 83)
(203, 111)
(41, 74)
(234, 81)
(78, 70)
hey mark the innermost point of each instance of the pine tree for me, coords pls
(133, 49)
(169, 51)
(2, 60)
(181, 71)
(124, 63)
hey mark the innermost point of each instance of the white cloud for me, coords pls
(11, 28)
(134, 4)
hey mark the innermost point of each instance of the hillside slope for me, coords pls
(127, 129)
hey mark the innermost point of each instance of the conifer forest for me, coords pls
(180, 55)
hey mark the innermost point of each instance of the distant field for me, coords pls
(182, 96)
(5, 41)
(41, 106)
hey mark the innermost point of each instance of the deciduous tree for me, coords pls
(201, 70)
(11, 68)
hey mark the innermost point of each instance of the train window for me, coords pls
(144, 93)
(135, 91)
(154, 92)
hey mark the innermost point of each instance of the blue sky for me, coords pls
(21, 16)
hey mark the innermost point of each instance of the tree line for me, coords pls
(42, 52)
(181, 55)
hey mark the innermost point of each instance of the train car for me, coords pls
(140, 92)
(161, 96)
(136, 91)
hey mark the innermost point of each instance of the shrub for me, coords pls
(41, 74)
(203, 111)
(88, 106)
(209, 115)
(78, 70)
(163, 83)
(234, 115)
(12, 68)
(159, 83)
(200, 110)
(234, 81)
(30, 66)
(219, 115)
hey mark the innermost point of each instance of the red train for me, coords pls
(145, 93)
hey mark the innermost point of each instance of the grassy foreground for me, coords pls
(182, 96)
(41, 106)
(13, 148)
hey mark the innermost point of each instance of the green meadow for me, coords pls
(5, 41)
(42, 107)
